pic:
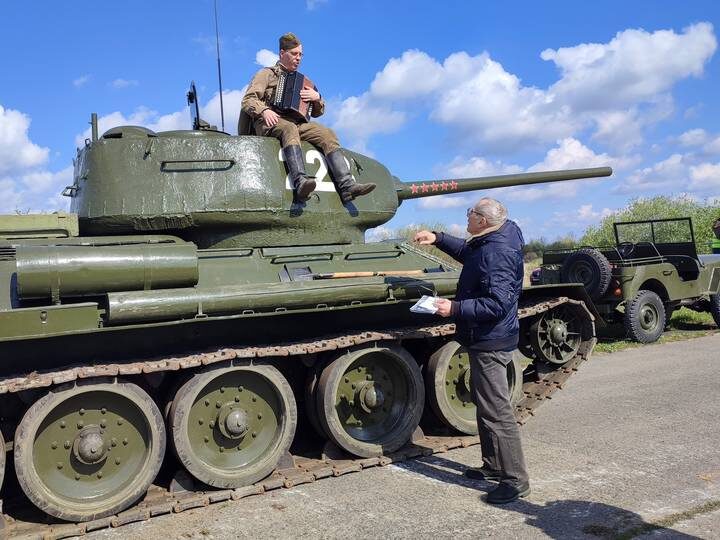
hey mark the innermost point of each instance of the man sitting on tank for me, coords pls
(269, 121)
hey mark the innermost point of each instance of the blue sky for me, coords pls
(431, 89)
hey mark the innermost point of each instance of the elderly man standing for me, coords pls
(485, 312)
(258, 104)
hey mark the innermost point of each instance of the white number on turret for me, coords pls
(324, 182)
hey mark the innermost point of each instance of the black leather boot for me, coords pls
(303, 184)
(344, 183)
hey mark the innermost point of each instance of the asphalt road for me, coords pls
(632, 442)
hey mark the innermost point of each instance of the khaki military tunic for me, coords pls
(259, 96)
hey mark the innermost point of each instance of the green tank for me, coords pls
(188, 312)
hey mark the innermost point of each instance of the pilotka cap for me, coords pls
(288, 41)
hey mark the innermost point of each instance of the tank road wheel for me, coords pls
(644, 317)
(556, 336)
(589, 267)
(370, 400)
(231, 426)
(449, 389)
(89, 450)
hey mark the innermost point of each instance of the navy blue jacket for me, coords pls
(486, 301)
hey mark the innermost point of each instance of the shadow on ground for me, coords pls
(557, 519)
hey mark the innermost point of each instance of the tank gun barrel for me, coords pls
(428, 188)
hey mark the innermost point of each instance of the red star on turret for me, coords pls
(435, 187)
(453, 185)
(425, 188)
(444, 185)
(414, 189)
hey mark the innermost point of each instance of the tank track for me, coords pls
(295, 470)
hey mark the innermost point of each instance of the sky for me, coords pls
(430, 89)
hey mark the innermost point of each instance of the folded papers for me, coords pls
(426, 304)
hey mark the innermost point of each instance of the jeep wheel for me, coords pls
(589, 267)
(715, 308)
(644, 317)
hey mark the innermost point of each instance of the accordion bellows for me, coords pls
(287, 96)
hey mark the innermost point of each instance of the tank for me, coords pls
(188, 324)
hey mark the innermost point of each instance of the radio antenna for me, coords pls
(217, 46)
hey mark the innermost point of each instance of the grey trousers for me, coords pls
(499, 432)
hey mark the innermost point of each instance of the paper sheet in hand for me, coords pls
(426, 304)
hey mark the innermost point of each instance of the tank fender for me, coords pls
(576, 291)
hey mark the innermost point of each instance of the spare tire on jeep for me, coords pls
(589, 267)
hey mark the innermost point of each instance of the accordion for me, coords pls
(287, 96)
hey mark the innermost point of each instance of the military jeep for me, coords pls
(652, 270)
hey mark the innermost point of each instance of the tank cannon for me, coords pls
(186, 280)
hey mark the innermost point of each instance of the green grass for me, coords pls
(684, 324)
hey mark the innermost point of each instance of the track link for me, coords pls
(539, 385)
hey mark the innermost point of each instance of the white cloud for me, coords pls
(123, 83)
(693, 137)
(666, 173)
(682, 173)
(36, 191)
(232, 100)
(17, 152)
(705, 177)
(487, 104)
(81, 81)
(24, 183)
(266, 58)
(46, 181)
(617, 88)
(358, 118)
(10, 198)
(581, 217)
(570, 153)
(415, 73)
(634, 66)
(713, 147)
(620, 129)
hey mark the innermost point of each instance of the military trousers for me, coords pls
(291, 133)
(499, 432)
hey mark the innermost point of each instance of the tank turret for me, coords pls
(218, 190)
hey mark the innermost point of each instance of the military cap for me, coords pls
(288, 41)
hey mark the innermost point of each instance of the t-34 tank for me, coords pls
(188, 304)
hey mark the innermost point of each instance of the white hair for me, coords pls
(493, 211)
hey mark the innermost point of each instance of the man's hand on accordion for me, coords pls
(270, 117)
(308, 94)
